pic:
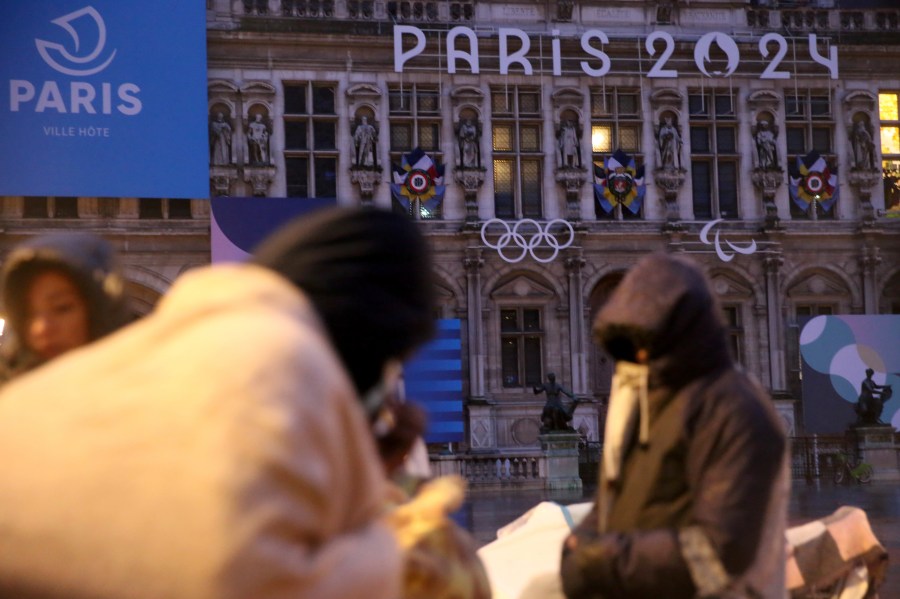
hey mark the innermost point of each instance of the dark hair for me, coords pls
(88, 261)
(369, 275)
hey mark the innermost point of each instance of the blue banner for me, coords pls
(237, 225)
(433, 379)
(104, 98)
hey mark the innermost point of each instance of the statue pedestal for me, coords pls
(561, 457)
(877, 446)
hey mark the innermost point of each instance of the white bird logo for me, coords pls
(45, 48)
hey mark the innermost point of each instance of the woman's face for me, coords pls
(56, 317)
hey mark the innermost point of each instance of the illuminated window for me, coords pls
(616, 125)
(809, 127)
(889, 114)
(415, 121)
(518, 156)
(310, 151)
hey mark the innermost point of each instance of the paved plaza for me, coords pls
(486, 511)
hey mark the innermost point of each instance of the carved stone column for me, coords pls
(482, 431)
(762, 342)
(863, 181)
(860, 114)
(564, 9)
(577, 334)
(764, 114)
(367, 178)
(869, 261)
(260, 178)
(669, 173)
(473, 263)
(470, 179)
(572, 178)
(568, 105)
(221, 178)
(772, 263)
(669, 181)
(768, 181)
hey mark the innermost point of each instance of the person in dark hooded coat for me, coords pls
(694, 479)
(60, 291)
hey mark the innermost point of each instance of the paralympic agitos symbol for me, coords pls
(723, 256)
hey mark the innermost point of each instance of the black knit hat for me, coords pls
(368, 272)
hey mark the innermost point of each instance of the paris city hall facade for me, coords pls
(761, 138)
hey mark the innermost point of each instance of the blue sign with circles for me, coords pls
(103, 98)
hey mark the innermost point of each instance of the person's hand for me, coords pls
(427, 510)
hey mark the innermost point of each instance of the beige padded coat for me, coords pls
(215, 449)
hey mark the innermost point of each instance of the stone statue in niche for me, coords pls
(863, 146)
(258, 141)
(569, 150)
(219, 140)
(668, 141)
(764, 137)
(468, 143)
(364, 138)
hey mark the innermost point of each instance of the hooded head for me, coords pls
(665, 306)
(88, 262)
(369, 275)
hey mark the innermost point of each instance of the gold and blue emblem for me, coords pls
(619, 181)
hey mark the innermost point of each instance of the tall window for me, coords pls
(734, 328)
(310, 152)
(714, 157)
(521, 340)
(616, 125)
(415, 113)
(889, 114)
(518, 158)
(809, 127)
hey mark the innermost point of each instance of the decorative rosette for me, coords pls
(812, 179)
(418, 178)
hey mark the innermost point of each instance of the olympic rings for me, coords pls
(528, 246)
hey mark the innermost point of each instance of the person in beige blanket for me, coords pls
(217, 448)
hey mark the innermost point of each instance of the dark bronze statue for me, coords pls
(872, 398)
(555, 417)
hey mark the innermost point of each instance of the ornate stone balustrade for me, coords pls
(525, 471)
